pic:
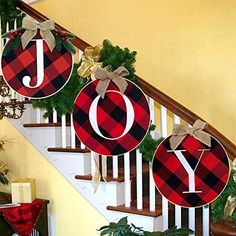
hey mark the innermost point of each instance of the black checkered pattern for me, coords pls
(111, 119)
(211, 174)
(19, 63)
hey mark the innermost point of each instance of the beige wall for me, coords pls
(74, 215)
(186, 48)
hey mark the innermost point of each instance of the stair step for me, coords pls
(68, 149)
(133, 210)
(31, 125)
(108, 178)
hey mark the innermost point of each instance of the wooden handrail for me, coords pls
(149, 89)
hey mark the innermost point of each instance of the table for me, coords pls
(41, 223)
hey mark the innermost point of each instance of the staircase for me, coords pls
(129, 188)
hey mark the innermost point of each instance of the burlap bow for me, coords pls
(105, 77)
(181, 131)
(31, 27)
(90, 62)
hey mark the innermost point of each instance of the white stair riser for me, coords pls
(71, 163)
(115, 193)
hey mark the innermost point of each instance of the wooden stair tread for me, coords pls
(31, 125)
(108, 178)
(133, 210)
(68, 149)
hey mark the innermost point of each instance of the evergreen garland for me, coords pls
(219, 204)
(149, 145)
(114, 56)
(63, 100)
(9, 13)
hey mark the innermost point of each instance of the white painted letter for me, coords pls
(188, 168)
(40, 66)
(129, 115)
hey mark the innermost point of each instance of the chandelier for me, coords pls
(11, 108)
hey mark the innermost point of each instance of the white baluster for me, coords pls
(164, 128)
(72, 132)
(80, 54)
(205, 221)
(115, 172)
(139, 180)
(7, 29)
(176, 119)
(15, 24)
(38, 115)
(152, 194)
(152, 187)
(93, 164)
(127, 179)
(54, 116)
(63, 130)
(178, 212)
(46, 119)
(82, 146)
(191, 218)
(104, 166)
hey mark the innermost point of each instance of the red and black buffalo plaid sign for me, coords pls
(113, 125)
(19, 63)
(193, 174)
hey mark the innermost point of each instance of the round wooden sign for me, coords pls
(193, 174)
(113, 125)
(35, 71)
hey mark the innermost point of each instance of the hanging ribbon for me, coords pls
(181, 131)
(105, 77)
(90, 62)
(96, 178)
(31, 28)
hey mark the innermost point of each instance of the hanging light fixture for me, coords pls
(10, 108)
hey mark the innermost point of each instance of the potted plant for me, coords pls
(122, 228)
(224, 209)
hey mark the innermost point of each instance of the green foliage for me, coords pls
(12, 44)
(9, 13)
(149, 145)
(219, 203)
(122, 228)
(63, 100)
(115, 57)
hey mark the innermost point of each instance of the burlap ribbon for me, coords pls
(230, 205)
(96, 177)
(181, 131)
(90, 62)
(105, 77)
(31, 28)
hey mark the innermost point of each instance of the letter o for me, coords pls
(129, 111)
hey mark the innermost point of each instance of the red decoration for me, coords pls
(24, 217)
(113, 125)
(193, 174)
(36, 72)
